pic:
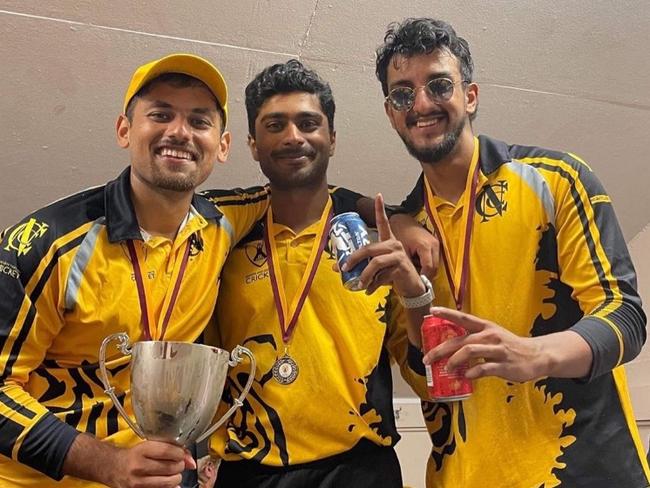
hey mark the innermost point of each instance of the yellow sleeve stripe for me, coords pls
(46, 260)
(619, 335)
(19, 322)
(240, 198)
(558, 163)
(11, 407)
(34, 288)
(600, 199)
(579, 159)
(16, 416)
(591, 232)
(15, 452)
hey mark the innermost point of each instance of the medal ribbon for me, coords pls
(145, 320)
(461, 271)
(305, 283)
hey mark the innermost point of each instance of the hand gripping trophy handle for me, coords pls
(201, 351)
(235, 359)
(125, 348)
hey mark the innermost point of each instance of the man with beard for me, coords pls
(141, 255)
(535, 268)
(320, 410)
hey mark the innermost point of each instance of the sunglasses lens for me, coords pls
(440, 88)
(401, 98)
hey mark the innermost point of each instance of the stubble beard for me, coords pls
(178, 182)
(435, 154)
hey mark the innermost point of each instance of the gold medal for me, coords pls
(285, 370)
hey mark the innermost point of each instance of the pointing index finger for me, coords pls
(383, 227)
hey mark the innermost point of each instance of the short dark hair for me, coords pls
(288, 77)
(421, 36)
(177, 80)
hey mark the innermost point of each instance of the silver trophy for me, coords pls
(175, 387)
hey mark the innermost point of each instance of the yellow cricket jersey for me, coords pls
(546, 255)
(342, 344)
(66, 282)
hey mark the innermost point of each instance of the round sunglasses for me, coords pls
(439, 90)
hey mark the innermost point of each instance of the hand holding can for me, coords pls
(443, 385)
(348, 232)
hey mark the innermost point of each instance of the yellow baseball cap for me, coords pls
(187, 64)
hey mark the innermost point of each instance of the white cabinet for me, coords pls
(414, 447)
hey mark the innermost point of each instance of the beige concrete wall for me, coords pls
(566, 75)
(638, 371)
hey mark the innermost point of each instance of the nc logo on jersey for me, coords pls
(491, 200)
(21, 238)
(256, 253)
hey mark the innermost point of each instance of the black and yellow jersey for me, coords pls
(342, 344)
(66, 282)
(546, 255)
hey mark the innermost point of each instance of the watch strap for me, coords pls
(422, 300)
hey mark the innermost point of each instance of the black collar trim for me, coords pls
(121, 221)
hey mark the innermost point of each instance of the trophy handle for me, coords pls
(236, 358)
(125, 348)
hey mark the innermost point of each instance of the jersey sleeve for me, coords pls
(345, 197)
(346, 200)
(414, 201)
(241, 208)
(594, 261)
(30, 318)
(407, 356)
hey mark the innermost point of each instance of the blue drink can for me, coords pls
(347, 234)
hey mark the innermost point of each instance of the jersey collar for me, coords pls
(121, 222)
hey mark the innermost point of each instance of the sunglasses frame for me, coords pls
(430, 94)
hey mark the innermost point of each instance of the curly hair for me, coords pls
(288, 77)
(421, 36)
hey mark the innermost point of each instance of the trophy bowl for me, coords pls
(175, 387)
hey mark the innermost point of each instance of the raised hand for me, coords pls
(389, 263)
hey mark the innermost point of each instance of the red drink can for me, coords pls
(443, 385)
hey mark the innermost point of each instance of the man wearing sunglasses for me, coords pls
(535, 268)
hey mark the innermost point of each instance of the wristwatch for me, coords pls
(420, 301)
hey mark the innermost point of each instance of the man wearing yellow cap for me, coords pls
(116, 258)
